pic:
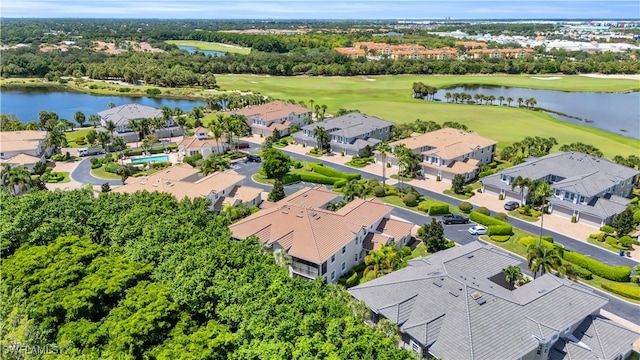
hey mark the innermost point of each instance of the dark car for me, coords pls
(511, 205)
(455, 219)
(241, 145)
(253, 158)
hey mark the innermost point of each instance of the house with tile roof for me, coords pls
(123, 114)
(349, 133)
(201, 143)
(221, 188)
(456, 304)
(448, 152)
(29, 143)
(280, 115)
(323, 243)
(592, 189)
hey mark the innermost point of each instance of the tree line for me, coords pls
(112, 276)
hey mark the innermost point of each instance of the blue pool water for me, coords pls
(156, 158)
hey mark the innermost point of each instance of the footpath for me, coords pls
(578, 231)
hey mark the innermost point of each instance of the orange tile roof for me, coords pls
(448, 143)
(272, 111)
(22, 159)
(350, 51)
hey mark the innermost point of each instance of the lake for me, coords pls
(27, 103)
(618, 113)
(191, 50)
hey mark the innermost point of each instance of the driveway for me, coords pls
(82, 174)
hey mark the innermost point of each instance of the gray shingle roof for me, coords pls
(121, 115)
(447, 302)
(350, 125)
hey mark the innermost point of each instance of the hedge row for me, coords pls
(340, 183)
(318, 179)
(494, 226)
(438, 209)
(528, 241)
(630, 291)
(615, 273)
(290, 178)
(583, 273)
(500, 238)
(329, 172)
(500, 230)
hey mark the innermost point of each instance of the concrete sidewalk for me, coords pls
(578, 231)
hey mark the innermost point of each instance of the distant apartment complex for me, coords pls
(477, 50)
(123, 115)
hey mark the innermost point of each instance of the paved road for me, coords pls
(82, 174)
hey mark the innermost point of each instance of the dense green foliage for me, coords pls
(494, 226)
(438, 209)
(330, 172)
(147, 276)
(631, 291)
(615, 273)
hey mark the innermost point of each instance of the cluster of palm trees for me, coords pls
(322, 139)
(421, 91)
(229, 127)
(537, 190)
(382, 261)
(235, 100)
(15, 179)
(529, 146)
(480, 99)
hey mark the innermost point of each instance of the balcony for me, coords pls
(308, 271)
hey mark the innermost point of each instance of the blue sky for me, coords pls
(327, 9)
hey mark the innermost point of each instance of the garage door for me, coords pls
(590, 219)
(562, 211)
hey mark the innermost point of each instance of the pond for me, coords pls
(618, 113)
(27, 103)
(191, 50)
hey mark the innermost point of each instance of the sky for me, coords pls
(326, 9)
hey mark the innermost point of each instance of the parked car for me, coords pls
(241, 145)
(511, 205)
(455, 219)
(478, 230)
(253, 158)
(93, 150)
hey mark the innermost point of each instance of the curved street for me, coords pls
(82, 174)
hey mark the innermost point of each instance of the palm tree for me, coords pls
(384, 149)
(94, 120)
(217, 129)
(512, 274)
(490, 99)
(177, 112)
(447, 96)
(522, 183)
(111, 105)
(501, 99)
(542, 191)
(520, 101)
(16, 179)
(134, 124)
(215, 162)
(110, 126)
(56, 139)
(182, 122)
(542, 259)
(322, 138)
(509, 100)
(104, 138)
(353, 189)
(79, 118)
(148, 141)
(532, 102)
(119, 144)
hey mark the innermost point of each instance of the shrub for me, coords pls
(501, 216)
(379, 191)
(635, 279)
(284, 142)
(607, 229)
(500, 238)
(548, 238)
(390, 190)
(636, 216)
(297, 164)
(160, 165)
(111, 168)
(424, 207)
(388, 164)
(468, 190)
(318, 179)
(124, 89)
(485, 219)
(583, 273)
(465, 207)
(483, 210)
(629, 291)
(486, 173)
(574, 219)
(154, 91)
(191, 160)
(329, 172)
(93, 86)
(341, 153)
(598, 236)
(410, 200)
(352, 280)
(528, 241)
(626, 241)
(96, 166)
(438, 209)
(340, 183)
(501, 197)
(611, 240)
(290, 178)
(438, 178)
(500, 230)
(615, 273)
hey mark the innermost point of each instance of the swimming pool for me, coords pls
(156, 158)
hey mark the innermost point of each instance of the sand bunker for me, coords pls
(547, 78)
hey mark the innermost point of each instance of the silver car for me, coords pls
(478, 230)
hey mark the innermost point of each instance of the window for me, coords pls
(356, 259)
(414, 346)
(333, 276)
(333, 258)
(344, 249)
(344, 266)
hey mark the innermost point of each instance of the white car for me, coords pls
(478, 230)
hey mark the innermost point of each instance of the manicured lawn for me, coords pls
(457, 196)
(603, 245)
(100, 173)
(204, 45)
(516, 214)
(66, 178)
(389, 97)
(73, 135)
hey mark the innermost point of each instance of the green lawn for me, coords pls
(73, 135)
(516, 214)
(204, 45)
(100, 173)
(389, 97)
(457, 196)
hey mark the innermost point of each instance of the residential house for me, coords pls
(221, 188)
(322, 243)
(201, 143)
(351, 52)
(448, 152)
(24, 160)
(456, 304)
(471, 44)
(123, 114)
(592, 189)
(280, 115)
(31, 144)
(317, 197)
(349, 133)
